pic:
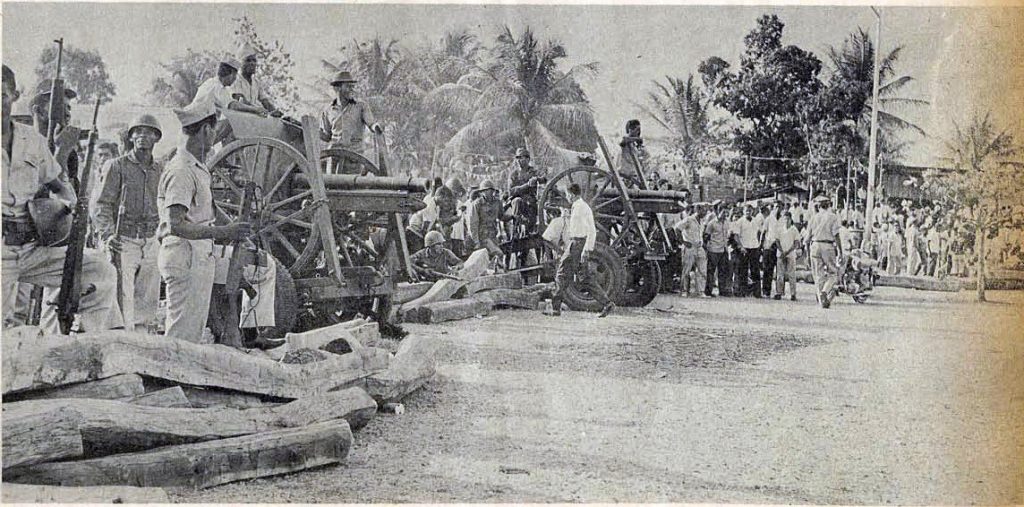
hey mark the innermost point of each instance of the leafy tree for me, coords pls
(681, 108)
(521, 99)
(82, 69)
(768, 94)
(184, 75)
(276, 65)
(984, 185)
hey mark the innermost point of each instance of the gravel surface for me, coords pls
(913, 398)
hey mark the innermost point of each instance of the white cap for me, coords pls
(195, 112)
(245, 51)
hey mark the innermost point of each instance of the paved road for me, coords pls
(914, 398)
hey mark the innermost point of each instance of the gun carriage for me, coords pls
(331, 218)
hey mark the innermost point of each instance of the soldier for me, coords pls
(574, 263)
(186, 230)
(344, 122)
(484, 212)
(125, 216)
(434, 261)
(523, 178)
(66, 139)
(823, 240)
(29, 170)
(632, 149)
(247, 89)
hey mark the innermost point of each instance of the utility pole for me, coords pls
(873, 149)
(746, 174)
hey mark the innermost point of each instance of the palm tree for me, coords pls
(853, 76)
(680, 108)
(519, 99)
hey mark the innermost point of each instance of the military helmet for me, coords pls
(433, 238)
(455, 185)
(146, 120)
(487, 185)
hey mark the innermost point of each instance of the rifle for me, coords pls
(35, 302)
(115, 256)
(71, 282)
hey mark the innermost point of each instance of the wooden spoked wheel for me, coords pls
(599, 190)
(284, 226)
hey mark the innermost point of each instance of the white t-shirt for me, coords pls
(214, 91)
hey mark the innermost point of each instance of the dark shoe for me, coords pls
(553, 313)
(607, 309)
(777, 297)
(792, 298)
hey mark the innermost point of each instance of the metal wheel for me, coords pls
(285, 226)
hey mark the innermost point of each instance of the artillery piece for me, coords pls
(339, 237)
(632, 242)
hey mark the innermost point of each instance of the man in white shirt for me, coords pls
(574, 262)
(748, 276)
(787, 237)
(249, 90)
(217, 90)
(823, 236)
(694, 258)
(768, 252)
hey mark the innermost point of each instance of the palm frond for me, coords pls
(572, 123)
(451, 101)
(894, 85)
(890, 120)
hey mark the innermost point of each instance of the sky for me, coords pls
(962, 59)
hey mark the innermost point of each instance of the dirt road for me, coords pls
(914, 398)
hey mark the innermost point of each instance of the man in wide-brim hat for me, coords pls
(345, 121)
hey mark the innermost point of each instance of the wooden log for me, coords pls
(414, 365)
(367, 334)
(475, 265)
(39, 437)
(442, 290)
(200, 397)
(514, 298)
(1004, 283)
(317, 338)
(110, 388)
(456, 309)
(172, 397)
(28, 493)
(490, 282)
(405, 292)
(203, 464)
(111, 427)
(919, 283)
(96, 356)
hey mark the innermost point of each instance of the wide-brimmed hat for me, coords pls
(343, 76)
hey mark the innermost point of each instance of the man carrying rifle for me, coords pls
(125, 216)
(30, 170)
(435, 261)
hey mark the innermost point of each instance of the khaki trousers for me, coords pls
(139, 297)
(694, 259)
(823, 266)
(44, 266)
(785, 270)
(187, 267)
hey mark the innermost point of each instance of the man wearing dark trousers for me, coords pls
(716, 237)
(749, 250)
(575, 260)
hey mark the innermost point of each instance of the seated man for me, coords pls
(434, 261)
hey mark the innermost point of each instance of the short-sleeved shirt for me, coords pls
(718, 235)
(251, 91)
(823, 226)
(690, 231)
(787, 236)
(186, 182)
(557, 232)
(746, 233)
(439, 261)
(215, 91)
(768, 230)
(348, 123)
(26, 170)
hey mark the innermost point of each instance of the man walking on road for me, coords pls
(823, 239)
(574, 262)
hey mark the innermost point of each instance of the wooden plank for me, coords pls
(29, 493)
(317, 338)
(95, 356)
(489, 282)
(172, 397)
(200, 397)
(442, 290)
(111, 388)
(203, 464)
(39, 437)
(414, 365)
(111, 427)
(405, 292)
(514, 298)
(322, 215)
(367, 334)
(456, 309)
(919, 283)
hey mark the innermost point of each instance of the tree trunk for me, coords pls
(979, 251)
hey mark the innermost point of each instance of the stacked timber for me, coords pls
(115, 417)
(919, 282)
(472, 293)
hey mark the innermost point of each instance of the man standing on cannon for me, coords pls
(343, 123)
(125, 217)
(247, 89)
(575, 260)
(521, 207)
(29, 170)
(633, 151)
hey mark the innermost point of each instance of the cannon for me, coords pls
(633, 244)
(340, 238)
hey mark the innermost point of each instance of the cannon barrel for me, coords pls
(640, 194)
(369, 182)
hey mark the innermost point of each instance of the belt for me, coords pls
(824, 241)
(18, 233)
(137, 231)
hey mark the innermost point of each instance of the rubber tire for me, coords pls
(607, 262)
(286, 307)
(644, 284)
